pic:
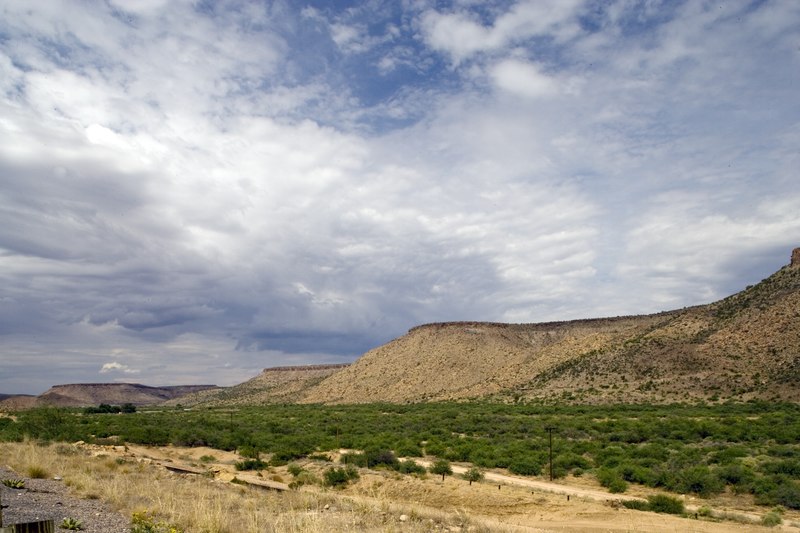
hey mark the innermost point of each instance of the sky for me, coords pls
(192, 191)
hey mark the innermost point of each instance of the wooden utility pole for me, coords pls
(550, 429)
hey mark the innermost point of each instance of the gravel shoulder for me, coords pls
(44, 499)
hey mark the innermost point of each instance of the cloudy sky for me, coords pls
(191, 191)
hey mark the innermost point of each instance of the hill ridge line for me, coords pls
(117, 384)
(574, 321)
(330, 366)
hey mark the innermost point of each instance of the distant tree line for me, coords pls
(106, 408)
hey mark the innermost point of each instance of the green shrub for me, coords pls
(610, 456)
(737, 475)
(250, 464)
(14, 483)
(435, 448)
(777, 490)
(282, 457)
(788, 495)
(729, 454)
(381, 457)
(567, 462)
(765, 485)
(441, 467)
(635, 473)
(409, 466)
(352, 472)
(661, 503)
(611, 479)
(698, 480)
(408, 449)
(144, 522)
(103, 408)
(772, 519)
(338, 477)
(789, 467)
(525, 467)
(617, 486)
(335, 477)
(72, 524)
(653, 451)
(473, 474)
(705, 511)
(638, 505)
(294, 469)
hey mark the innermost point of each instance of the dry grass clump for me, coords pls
(204, 505)
(37, 472)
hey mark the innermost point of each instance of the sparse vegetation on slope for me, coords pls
(273, 385)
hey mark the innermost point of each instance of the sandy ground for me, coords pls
(511, 503)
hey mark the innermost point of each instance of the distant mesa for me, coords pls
(306, 368)
(88, 394)
(279, 384)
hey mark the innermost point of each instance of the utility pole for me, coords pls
(550, 429)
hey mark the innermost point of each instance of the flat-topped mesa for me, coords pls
(331, 366)
(795, 258)
(469, 325)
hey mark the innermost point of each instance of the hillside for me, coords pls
(85, 394)
(470, 359)
(17, 402)
(745, 346)
(285, 384)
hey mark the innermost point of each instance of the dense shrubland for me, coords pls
(747, 448)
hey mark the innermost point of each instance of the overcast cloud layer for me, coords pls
(193, 191)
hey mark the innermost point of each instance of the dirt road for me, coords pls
(548, 486)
